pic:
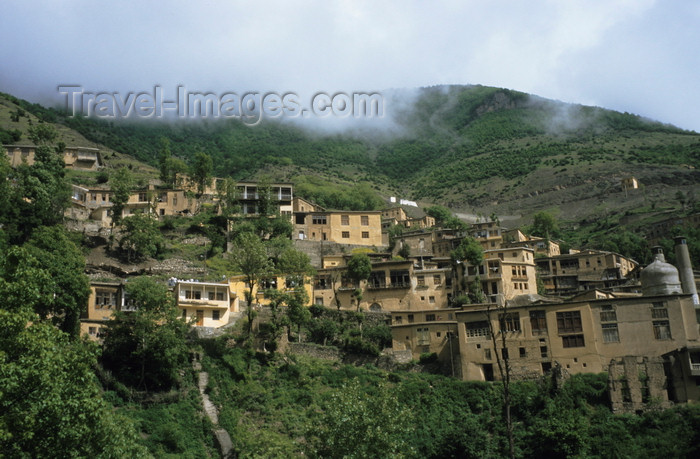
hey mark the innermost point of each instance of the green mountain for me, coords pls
(479, 150)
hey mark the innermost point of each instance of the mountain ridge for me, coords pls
(476, 149)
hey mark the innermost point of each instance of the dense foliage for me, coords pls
(455, 137)
(293, 405)
(146, 348)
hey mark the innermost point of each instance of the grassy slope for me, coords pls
(476, 149)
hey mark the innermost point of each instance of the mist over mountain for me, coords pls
(477, 149)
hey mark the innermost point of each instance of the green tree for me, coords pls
(444, 217)
(63, 260)
(176, 167)
(249, 257)
(35, 195)
(359, 269)
(50, 403)
(201, 170)
(545, 225)
(360, 422)
(265, 201)
(147, 348)
(468, 250)
(471, 252)
(229, 203)
(121, 184)
(141, 237)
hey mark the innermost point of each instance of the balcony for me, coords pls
(203, 303)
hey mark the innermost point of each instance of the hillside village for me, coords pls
(520, 302)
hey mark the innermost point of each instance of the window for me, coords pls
(400, 278)
(569, 322)
(215, 315)
(105, 298)
(423, 336)
(92, 331)
(410, 318)
(377, 279)
(345, 219)
(487, 354)
(573, 341)
(523, 352)
(608, 314)
(318, 300)
(437, 279)
(318, 219)
(364, 220)
(142, 197)
(270, 283)
(430, 317)
(659, 311)
(346, 234)
(431, 299)
(510, 321)
(184, 313)
(538, 322)
(398, 319)
(420, 280)
(543, 351)
(480, 328)
(365, 235)
(323, 282)
(662, 329)
(175, 200)
(610, 333)
(504, 353)
(216, 296)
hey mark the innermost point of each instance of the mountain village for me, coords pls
(524, 306)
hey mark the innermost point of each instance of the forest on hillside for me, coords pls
(135, 394)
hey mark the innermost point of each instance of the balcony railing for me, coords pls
(204, 303)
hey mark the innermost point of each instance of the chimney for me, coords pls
(658, 254)
(685, 270)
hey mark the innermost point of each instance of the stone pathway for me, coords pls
(222, 436)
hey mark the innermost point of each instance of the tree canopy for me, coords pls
(146, 348)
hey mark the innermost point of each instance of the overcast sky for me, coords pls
(640, 56)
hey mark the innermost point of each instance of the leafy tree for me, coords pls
(359, 422)
(359, 269)
(201, 170)
(121, 184)
(444, 217)
(249, 257)
(141, 237)
(62, 259)
(545, 225)
(297, 311)
(35, 195)
(228, 194)
(147, 348)
(265, 205)
(50, 403)
(294, 263)
(469, 250)
(323, 330)
(175, 167)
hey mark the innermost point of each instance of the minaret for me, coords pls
(685, 269)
